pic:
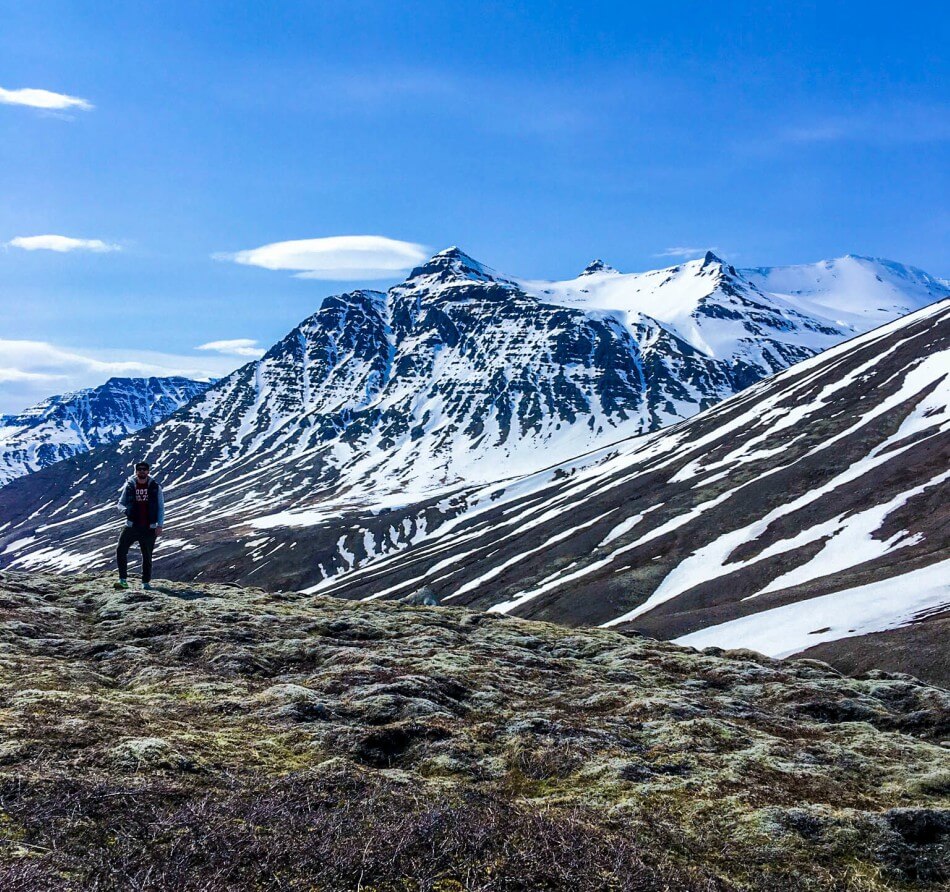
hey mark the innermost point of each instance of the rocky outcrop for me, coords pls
(214, 737)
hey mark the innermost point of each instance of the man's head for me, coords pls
(141, 469)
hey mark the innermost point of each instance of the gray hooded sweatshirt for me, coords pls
(156, 502)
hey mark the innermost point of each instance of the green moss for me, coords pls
(734, 772)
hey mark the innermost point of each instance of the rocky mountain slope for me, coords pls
(378, 405)
(807, 511)
(214, 737)
(71, 423)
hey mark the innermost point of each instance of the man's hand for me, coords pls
(158, 532)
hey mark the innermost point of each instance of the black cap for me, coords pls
(142, 464)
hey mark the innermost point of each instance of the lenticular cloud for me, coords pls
(45, 99)
(338, 258)
(62, 244)
(234, 346)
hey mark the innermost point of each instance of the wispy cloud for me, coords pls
(680, 251)
(337, 258)
(44, 99)
(234, 347)
(31, 371)
(62, 244)
(898, 124)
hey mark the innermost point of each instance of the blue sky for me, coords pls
(535, 135)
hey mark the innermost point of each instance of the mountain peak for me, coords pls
(451, 265)
(597, 266)
(453, 254)
(456, 259)
(710, 259)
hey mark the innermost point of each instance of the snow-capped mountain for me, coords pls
(377, 405)
(811, 511)
(840, 289)
(70, 423)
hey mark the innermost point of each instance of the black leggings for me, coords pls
(145, 536)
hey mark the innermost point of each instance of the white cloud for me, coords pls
(684, 252)
(31, 371)
(43, 99)
(60, 243)
(338, 258)
(234, 347)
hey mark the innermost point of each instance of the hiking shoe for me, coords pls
(121, 584)
(147, 586)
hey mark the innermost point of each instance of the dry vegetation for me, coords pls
(213, 737)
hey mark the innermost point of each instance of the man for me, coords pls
(144, 507)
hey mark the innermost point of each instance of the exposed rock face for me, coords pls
(73, 423)
(209, 736)
(597, 266)
(385, 402)
(807, 511)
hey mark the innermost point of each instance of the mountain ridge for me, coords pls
(360, 432)
(827, 481)
(67, 424)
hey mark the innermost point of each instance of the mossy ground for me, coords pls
(214, 737)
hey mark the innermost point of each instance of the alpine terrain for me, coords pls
(810, 513)
(71, 423)
(346, 440)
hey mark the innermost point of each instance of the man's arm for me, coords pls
(123, 503)
(161, 511)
